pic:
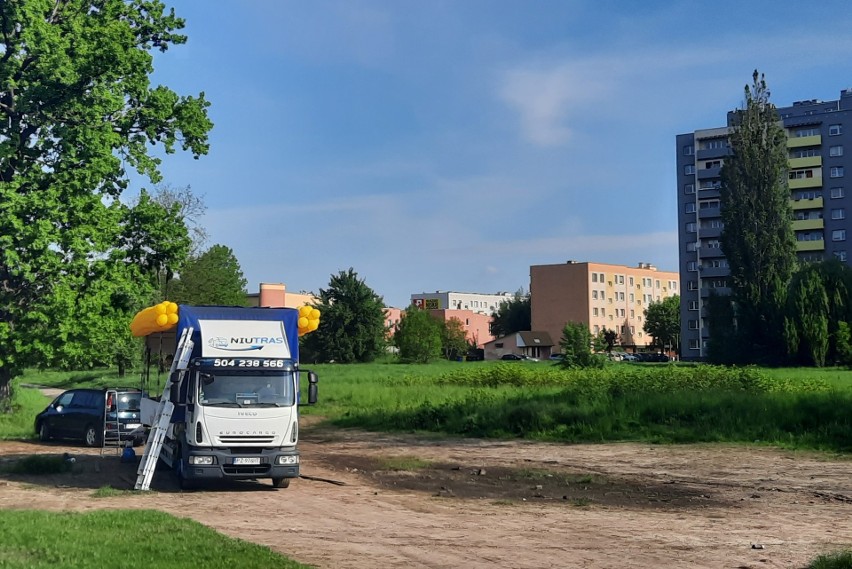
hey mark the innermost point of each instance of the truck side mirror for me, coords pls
(174, 392)
(313, 378)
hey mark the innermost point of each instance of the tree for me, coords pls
(352, 326)
(190, 208)
(453, 338)
(576, 347)
(757, 237)
(512, 316)
(76, 110)
(214, 277)
(806, 326)
(662, 321)
(608, 338)
(418, 336)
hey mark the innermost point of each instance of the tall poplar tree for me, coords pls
(76, 111)
(757, 238)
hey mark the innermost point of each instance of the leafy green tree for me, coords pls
(806, 326)
(352, 322)
(576, 347)
(662, 321)
(608, 338)
(214, 278)
(418, 336)
(453, 338)
(190, 208)
(155, 238)
(76, 111)
(512, 316)
(757, 237)
(844, 344)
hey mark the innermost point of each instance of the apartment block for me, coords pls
(598, 295)
(486, 304)
(817, 134)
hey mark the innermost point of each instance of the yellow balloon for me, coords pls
(160, 308)
(305, 311)
(303, 322)
(313, 325)
(315, 314)
(172, 308)
(173, 318)
(162, 320)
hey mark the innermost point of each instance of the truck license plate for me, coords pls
(247, 460)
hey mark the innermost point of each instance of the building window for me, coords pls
(711, 144)
(836, 172)
(594, 311)
(594, 295)
(688, 150)
(597, 329)
(693, 344)
(803, 132)
(836, 193)
(692, 246)
(693, 324)
(690, 227)
(691, 285)
(838, 235)
(600, 277)
(840, 255)
(804, 152)
(835, 129)
(800, 174)
(693, 305)
(689, 188)
(603, 311)
(835, 151)
(632, 313)
(689, 207)
(692, 266)
(839, 213)
(631, 281)
(689, 169)
(620, 279)
(594, 277)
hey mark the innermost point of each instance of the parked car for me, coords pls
(629, 358)
(83, 414)
(517, 358)
(557, 357)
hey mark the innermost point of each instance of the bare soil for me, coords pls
(377, 500)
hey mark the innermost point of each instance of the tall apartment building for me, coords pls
(599, 295)
(818, 132)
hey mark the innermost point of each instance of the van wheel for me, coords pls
(43, 432)
(91, 436)
(280, 482)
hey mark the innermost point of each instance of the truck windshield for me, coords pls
(229, 389)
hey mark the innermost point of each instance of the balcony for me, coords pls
(719, 290)
(805, 162)
(710, 252)
(709, 232)
(814, 203)
(709, 212)
(708, 153)
(799, 183)
(806, 224)
(714, 272)
(708, 173)
(810, 246)
(798, 142)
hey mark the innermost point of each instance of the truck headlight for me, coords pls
(287, 459)
(200, 460)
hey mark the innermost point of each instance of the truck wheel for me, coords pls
(91, 436)
(280, 482)
(180, 469)
(43, 432)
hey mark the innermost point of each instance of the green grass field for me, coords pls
(112, 539)
(802, 408)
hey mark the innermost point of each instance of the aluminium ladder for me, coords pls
(163, 417)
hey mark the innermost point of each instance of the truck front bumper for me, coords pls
(228, 465)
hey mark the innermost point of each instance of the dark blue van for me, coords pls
(93, 416)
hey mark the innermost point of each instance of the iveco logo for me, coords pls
(247, 413)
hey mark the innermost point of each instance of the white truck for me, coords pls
(230, 407)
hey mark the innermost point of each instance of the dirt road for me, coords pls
(410, 502)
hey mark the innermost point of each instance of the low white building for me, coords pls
(448, 300)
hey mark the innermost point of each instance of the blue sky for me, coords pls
(449, 145)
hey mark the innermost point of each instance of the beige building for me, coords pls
(599, 295)
(276, 295)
